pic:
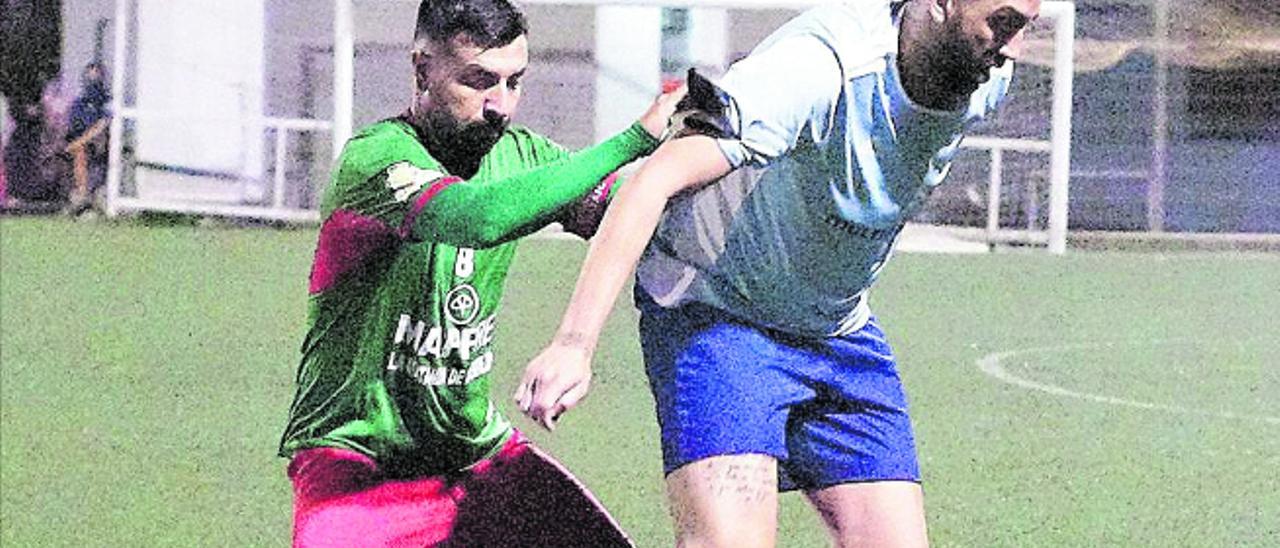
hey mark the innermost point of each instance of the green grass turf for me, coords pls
(145, 373)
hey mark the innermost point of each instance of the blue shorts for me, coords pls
(831, 410)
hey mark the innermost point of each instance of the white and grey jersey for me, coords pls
(831, 158)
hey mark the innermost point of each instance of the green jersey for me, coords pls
(406, 285)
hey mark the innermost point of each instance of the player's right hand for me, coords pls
(655, 119)
(554, 382)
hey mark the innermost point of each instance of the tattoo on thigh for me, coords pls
(747, 482)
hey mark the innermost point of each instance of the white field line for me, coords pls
(991, 365)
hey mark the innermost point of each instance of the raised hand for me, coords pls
(655, 119)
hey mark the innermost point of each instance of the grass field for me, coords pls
(1097, 399)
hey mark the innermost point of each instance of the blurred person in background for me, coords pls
(30, 51)
(87, 125)
(35, 169)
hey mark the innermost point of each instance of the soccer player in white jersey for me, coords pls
(758, 230)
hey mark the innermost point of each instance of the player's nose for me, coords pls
(500, 102)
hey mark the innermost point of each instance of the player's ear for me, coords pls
(421, 69)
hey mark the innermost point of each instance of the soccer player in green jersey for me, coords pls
(392, 436)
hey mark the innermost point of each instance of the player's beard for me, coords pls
(459, 145)
(480, 136)
(959, 63)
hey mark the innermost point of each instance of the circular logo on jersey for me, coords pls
(462, 304)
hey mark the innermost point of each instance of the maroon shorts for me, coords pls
(519, 497)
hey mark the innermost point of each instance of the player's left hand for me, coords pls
(554, 382)
(655, 120)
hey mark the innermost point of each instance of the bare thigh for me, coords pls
(881, 513)
(725, 501)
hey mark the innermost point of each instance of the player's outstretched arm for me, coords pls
(558, 378)
(484, 213)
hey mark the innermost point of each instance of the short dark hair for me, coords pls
(487, 23)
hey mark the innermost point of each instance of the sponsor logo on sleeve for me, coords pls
(405, 179)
